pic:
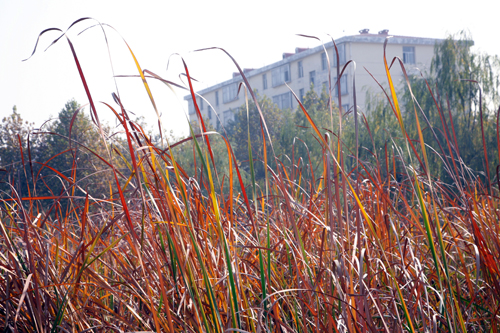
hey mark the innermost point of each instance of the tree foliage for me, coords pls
(13, 135)
(247, 123)
(455, 102)
(53, 164)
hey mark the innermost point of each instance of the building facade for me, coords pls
(310, 67)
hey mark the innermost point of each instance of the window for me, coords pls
(264, 81)
(209, 111)
(325, 85)
(228, 116)
(217, 98)
(301, 69)
(341, 49)
(230, 93)
(312, 76)
(343, 85)
(301, 95)
(191, 108)
(409, 55)
(324, 62)
(281, 75)
(201, 103)
(283, 101)
(345, 107)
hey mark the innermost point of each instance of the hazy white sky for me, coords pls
(256, 33)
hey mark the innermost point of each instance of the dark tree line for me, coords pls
(46, 163)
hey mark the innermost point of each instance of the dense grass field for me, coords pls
(383, 246)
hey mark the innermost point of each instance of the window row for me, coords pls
(282, 75)
(224, 118)
(229, 93)
(192, 109)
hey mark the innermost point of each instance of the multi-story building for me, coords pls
(309, 67)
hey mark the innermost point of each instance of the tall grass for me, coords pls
(360, 250)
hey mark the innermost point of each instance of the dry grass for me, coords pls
(354, 250)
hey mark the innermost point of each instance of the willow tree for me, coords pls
(456, 102)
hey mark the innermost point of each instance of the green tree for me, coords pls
(73, 155)
(14, 133)
(307, 145)
(450, 104)
(276, 120)
(55, 166)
